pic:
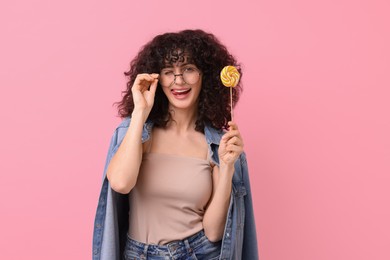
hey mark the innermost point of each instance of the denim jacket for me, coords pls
(111, 220)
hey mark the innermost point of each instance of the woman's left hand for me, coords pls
(231, 145)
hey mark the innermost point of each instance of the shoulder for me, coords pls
(124, 123)
(123, 126)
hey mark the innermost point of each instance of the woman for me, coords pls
(176, 183)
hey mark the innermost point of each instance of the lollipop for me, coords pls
(230, 78)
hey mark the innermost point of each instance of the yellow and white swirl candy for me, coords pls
(230, 76)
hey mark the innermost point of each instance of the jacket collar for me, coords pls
(212, 134)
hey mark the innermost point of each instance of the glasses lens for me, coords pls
(191, 76)
(166, 78)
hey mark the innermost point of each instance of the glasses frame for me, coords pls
(181, 74)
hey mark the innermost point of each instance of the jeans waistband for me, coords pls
(174, 247)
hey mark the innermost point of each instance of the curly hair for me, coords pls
(208, 54)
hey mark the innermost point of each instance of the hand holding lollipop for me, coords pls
(230, 78)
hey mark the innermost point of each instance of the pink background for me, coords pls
(314, 116)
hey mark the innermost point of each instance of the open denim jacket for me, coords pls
(111, 220)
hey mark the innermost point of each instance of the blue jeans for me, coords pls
(195, 247)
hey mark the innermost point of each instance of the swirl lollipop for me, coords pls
(230, 78)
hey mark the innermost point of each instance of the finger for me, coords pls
(230, 134)
(234, 148)
(235, 140)
(233, 125)
(143, 78)
(153, 87)
(155, 75)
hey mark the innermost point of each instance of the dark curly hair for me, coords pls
(208, 54)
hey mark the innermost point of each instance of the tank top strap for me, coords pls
(150, 144)
(209, 158)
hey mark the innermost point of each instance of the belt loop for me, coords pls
(145, 251)
(188, 247)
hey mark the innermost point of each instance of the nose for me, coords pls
(179, 79)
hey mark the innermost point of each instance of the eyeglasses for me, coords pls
(190, 76)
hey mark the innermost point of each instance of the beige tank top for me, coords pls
(170, 197)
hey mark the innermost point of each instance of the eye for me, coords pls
(167, 73)
(190, 69)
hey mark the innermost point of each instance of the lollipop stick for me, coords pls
(231, 102)
(230, 78)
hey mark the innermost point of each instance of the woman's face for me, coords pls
(181, 83)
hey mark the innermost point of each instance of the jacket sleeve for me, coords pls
(249, 250)
(113, 143)
(116, 139)
(104, 246)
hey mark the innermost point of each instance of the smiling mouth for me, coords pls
(180, 91)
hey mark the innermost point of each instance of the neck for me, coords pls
(182, 120)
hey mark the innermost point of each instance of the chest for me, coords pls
(164, 177)
(192, 144)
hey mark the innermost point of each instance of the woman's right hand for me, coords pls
(143, 90)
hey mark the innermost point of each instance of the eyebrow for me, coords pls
(182, 65)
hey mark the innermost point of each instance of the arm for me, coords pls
(230, 148)
(122, 172)
(215, 216)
